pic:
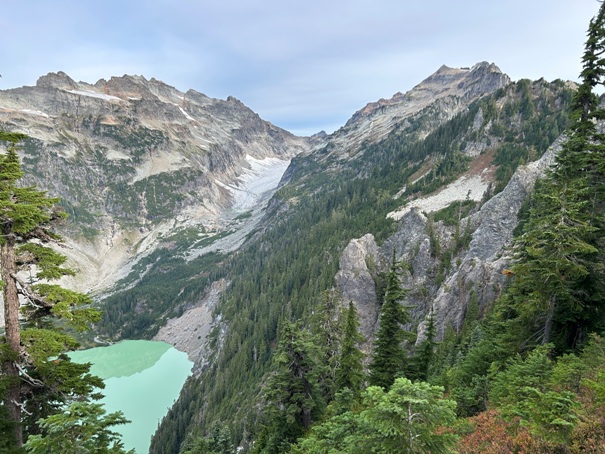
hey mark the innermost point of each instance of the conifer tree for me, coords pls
(327, 324)
(82, 427)
(554, 258)
(293, 391)
(388, 355)
(38, 378)
(350, 368)
(425, 352)
(559, 280)
(408, 418)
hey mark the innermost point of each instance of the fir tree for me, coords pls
(349, 373)
(293, 391)
(408, 418)
(327, 324)
(559, 275)
(553, 261)
(388, 355)
(82, 427)
(425, 352)
(38, 378)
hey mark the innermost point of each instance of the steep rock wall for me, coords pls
(475, 273)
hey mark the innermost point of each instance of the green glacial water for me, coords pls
(142, 379)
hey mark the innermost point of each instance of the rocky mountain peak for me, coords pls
(448, 91)
(56, 80)
(139, 159)
(126, 86)
(481, 79)
(445, 276)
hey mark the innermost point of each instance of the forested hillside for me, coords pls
(428, 278)
(522, 373)
(286, 274)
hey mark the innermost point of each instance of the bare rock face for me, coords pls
(136, 160)
(188, 332)
(466, 83)
(56, 80)
(498, 216)
(356, 282)
(477, 273)
(454, 88)
(480, 273)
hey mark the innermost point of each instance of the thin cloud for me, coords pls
(303, 65)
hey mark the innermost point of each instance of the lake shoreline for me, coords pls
(142, 379)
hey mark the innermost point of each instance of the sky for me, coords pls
(305, 66)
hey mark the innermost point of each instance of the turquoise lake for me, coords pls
(142, 379)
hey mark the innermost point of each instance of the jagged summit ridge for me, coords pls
(137, 160)
(482, 78)
(447, 92)
(126, 87)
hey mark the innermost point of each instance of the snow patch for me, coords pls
(464, 188)
(263, 176)
(250, 193)
(116, 155)
(92, 94)
(26, 111)
(187, 116)
(34, 112)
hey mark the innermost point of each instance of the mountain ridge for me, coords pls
(107, 149)
(221, 226)
(328, 229)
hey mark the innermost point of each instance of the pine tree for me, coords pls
(327, 324)
(39, 379)
(388, 355)
(349, 373)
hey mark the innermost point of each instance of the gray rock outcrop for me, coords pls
(136, 160)
(477, 272)
(356, 282)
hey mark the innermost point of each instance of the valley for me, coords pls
(194, 222)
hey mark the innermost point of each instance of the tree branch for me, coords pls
(42, 234)
(32, 381)
(34, 299)
(22, 407)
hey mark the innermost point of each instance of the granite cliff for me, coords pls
(136, 161)
(196, 222)
(478, 272)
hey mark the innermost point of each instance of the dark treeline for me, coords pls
(280, 276)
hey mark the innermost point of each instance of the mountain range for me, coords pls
(194, 221)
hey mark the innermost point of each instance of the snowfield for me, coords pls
(256, 185)
(187, 116)
(262, 177)
(93, 94)
(26, 111)
(463, 188)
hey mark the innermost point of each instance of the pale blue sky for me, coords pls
(304, 65)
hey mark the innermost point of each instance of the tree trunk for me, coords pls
(13, 334)
(306, 411)
(549, 318)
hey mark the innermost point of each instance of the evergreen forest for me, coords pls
(524, 373)
(290, 370)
